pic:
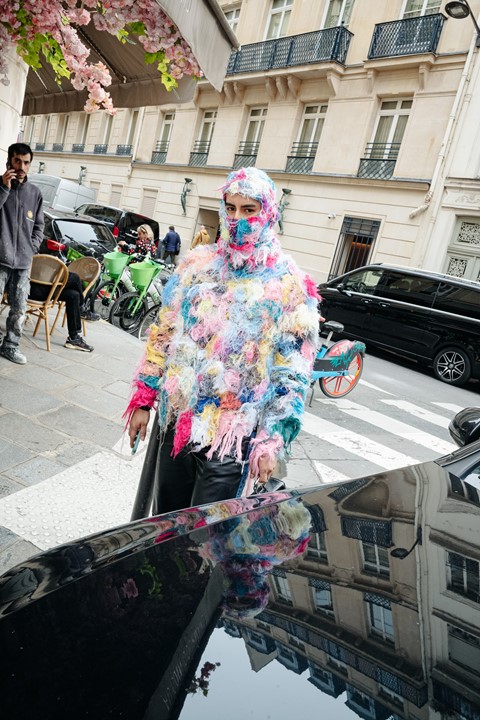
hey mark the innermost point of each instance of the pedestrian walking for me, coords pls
(228, 362)
(21, 232)
(171, 246)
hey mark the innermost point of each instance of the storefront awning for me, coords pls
(135, 84)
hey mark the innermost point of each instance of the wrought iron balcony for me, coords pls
(100, 149)
(78, 147)
(159, 155)
(124, 149)
(301, 157)
(57, 147)
(39, 146)
(379, 161)
(412, 36)
(199, 154)
(247, 154)
(313, 47)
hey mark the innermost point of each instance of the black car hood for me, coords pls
(258, 608)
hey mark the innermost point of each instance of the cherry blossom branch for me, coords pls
(47, 32)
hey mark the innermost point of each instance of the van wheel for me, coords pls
(452, 366)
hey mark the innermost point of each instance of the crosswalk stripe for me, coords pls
(328, 475)
(419, 412)
(374, 387)
(354, 443)
(450, 406)
(391, 425)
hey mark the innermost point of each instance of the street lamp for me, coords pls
(183, 196)
(41, 167)
(81, 174)
(402, 553)
(460, 9)
(281, 208)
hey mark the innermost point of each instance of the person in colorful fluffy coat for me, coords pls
(228, 362)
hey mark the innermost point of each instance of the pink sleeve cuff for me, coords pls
(144, 396)
(263, 445)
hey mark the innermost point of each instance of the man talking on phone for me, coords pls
(21, 232)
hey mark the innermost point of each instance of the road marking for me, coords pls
(370, 450)
(396, 427)
(328, 475)
(375, 387)
(450, 406)
(419, 412)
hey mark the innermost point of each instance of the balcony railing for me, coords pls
(78, 147)
(57, 147)
(406, 37)
(313, 47)
(247, 154)
(199, 154)
(159, 155)
(124, 149)
(100, 149)
(379, 161)
(301, 157)
(39, 146)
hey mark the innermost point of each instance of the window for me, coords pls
(248, 148)
(463, 576)
(390, 694)
(380, 616)
(107, 129)
(28, 131)
(338, 13)
(375, 559)
(282, 588)
(416, 8)
(360, 702)
(62, 128)
(279, 18)
(304, 150)
(132, 127)
(317, 548)
(148, 203)
(381, 154)
(364, 282)
(355, 244)
(166, 132)
(82, 128)
(201, 148)
(232, 17)
(116, 195)
(45, 128)
(464, 648)
(458, 300)
(322, 596)
(409, 288)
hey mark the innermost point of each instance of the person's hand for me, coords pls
(121, 243)
(138, 423)
(266, 466)
(7, 177)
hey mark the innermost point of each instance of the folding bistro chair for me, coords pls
(49, 273)
(88, 269)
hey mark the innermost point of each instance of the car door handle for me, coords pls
(384, 305)
(366, 301)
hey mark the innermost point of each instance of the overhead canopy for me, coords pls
(134, 83)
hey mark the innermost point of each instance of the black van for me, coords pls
(426, 316)
(122, 223)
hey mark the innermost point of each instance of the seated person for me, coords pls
(72, 296)
(145, 243)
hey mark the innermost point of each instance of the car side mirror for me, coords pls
(343, 289)
(465, 426)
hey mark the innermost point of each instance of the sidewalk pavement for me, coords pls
(66, 469)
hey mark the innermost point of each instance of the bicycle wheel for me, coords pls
(105, 296)
(127, 311)
(149, 318)
(340, 385)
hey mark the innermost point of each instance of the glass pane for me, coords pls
(400, 128)
(382, 133)
(333, 15)
(347, 12)
(308, 129)
(318, 129)
(284, 26)
(274, 26)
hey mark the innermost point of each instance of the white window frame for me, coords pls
(46, 129)
(318, 117)
(282, 588)
(62, 128)
(132, 127)
(107, 129)
(326, 608)
(233, 15)
(317, 547)
(83, 128)
(166, 129)
(208, 126)
(345, 12)
(285, 8)
(455, 589)
(378, 567)
(425, 10)
(256, 122)
(396, 112)
(378, 617)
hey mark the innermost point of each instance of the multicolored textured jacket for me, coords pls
(231, 354)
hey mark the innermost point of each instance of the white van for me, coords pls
(61, 194)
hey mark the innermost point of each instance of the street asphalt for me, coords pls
(66, 470)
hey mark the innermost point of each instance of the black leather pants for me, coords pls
(191, 479)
